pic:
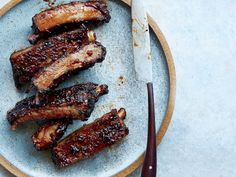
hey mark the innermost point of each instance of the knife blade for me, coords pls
(141, 42)
(143, 69)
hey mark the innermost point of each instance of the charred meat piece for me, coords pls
(37, 37)
(76, 102)
(61, 69)
(49, 133)
(27, 62)
(74, 12)
(90, 139)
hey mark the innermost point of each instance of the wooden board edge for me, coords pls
(11, 168)
(8, 6)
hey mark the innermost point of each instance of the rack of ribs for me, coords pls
(76, 102)
(27, 62)
(49, 133)
(63, 68)
(71, 13)
(91, 138)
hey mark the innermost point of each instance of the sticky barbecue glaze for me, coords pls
(74, 12)
(27, 62)
(58, 71)
(90, 139)
(76, 102)
(49, 133)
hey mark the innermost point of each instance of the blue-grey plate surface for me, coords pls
(16, 146)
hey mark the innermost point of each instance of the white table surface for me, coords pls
(201, 139)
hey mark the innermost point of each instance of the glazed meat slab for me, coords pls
(76, 102)
(91, 138)
(27, 62)
(58, 71)
(74, 12)
(49, 133)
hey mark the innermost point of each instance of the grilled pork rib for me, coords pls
(76, 102)
(49, 133)
(74, 12)
(90, 139)
(61, 69)
(27, 62)
(36, 38)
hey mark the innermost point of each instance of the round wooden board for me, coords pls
(171, 100)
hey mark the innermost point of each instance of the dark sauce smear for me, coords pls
(50, 2)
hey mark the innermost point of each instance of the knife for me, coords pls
(143, 68)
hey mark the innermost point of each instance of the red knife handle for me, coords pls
(149, 165)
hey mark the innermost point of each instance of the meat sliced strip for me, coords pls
(39, 37)
(76, 102)
(74, 12)
(49, 133)
(27, 62)
(90, 139)
(61, 69)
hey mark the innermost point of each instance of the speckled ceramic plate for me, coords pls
(17, 152)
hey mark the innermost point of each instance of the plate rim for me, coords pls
(170, 106)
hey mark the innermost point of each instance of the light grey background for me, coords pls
(201, 139)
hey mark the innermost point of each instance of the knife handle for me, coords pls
(149, 165)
